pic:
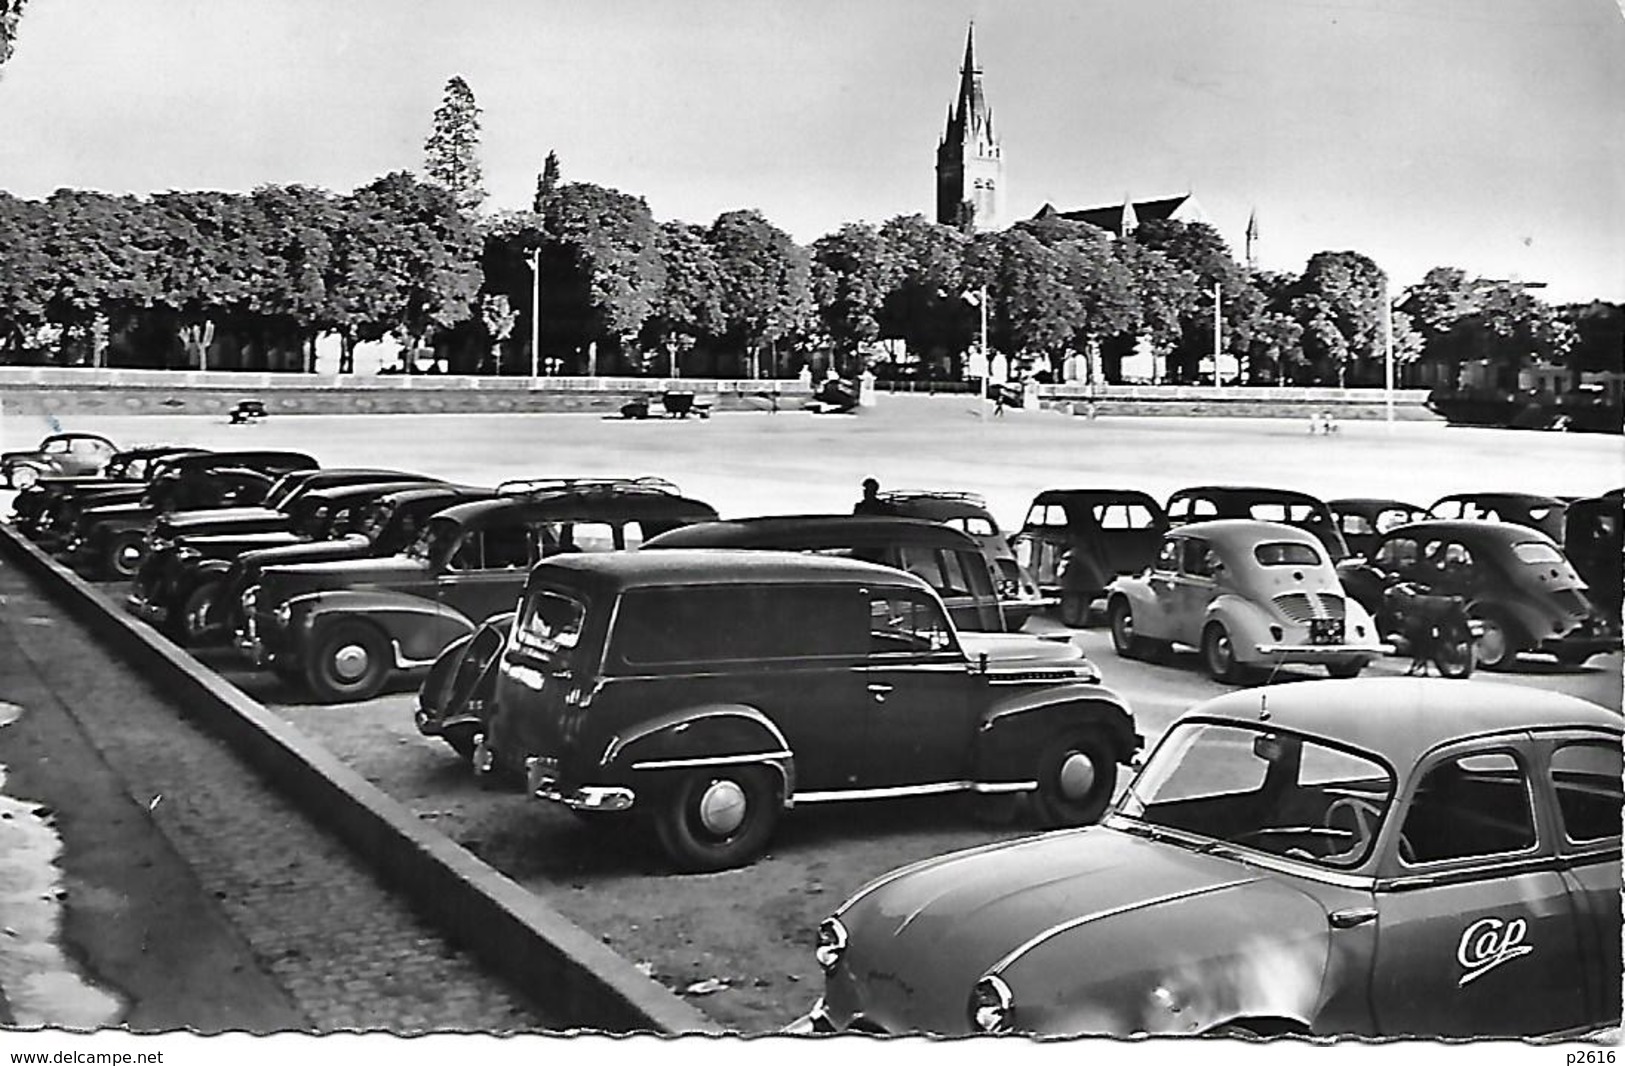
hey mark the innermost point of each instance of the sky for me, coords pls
(1483, 134)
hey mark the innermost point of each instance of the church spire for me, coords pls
(970, 109)
(970, 164)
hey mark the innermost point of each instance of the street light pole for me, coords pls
(987, 358)
(535, 311)
(1388, 352)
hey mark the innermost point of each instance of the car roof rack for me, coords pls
(604, 485)
(899, 495)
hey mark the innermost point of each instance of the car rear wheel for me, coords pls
(712, 819)
(1125, 641)
(1496, 647)
(351, 662)
(1076, 776)
(1219, 655)
(193, 625)
(123, 555)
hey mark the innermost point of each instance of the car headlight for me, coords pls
(991, 1005)
(831, 943)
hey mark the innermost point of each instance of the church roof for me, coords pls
(1120, 218)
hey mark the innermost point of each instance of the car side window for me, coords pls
(1200, 559)
(1391, 519)
(631, 535)
(1168, 557)
(1202, 507)
(1397, 555)
(506, 547)
(590, 537)
(1179, 507)
(468, 555)
(1355, 524)
(904, 622)
(52, 447)
(1446, 509)
(1047, 514)
(1467, 807)
(1586, 777)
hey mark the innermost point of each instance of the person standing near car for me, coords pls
(871, 503)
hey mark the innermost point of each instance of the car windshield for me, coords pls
(1532, 551)
(551, 624)
(1267, 790)
(1285, 553)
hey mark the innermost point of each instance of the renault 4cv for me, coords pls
(709, 691)
(348, 626)
(1387, 857)
(1299, 509)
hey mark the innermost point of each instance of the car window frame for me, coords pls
(1490, 864)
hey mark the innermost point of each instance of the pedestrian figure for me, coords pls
(998, 399)
(871, 503)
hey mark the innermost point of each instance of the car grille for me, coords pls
(1303, 606)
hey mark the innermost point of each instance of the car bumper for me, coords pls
(431, 726)
(1594, 643)
(1315, 653)
(539, 782)
(152, 613)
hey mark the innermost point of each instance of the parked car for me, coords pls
(1299, 509)
(712, 690)
(949, 561)
(1074, 542)
(1245, 594)
(348, 626)
(1544, 513)
(34, 509)
(967, 512)
(1386, 857)
(176, 585)
(1521, 592)
(454, 702)
(58, 455)
(1591, 540)
(1362, 520)
(109, 539)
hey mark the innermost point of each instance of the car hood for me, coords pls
(1010, 650)
(279, 582)
(266, 553)
(1078, 923)
(181, 523)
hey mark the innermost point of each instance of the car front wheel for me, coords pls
(23, 477)
(1496, 647)
(1076, 777)
(351, 662)
(712, 819)
(193, 624)
(1125, 641)
(123, 555)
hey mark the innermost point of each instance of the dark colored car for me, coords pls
(109, 540)
(1389, 857)
(1299, 509)
(1363, 520)
(949, 561)
(1521, 592)
(348, 626)
(176, 586)
(1075, 542)
(968, 513)
(1544, 513)
(1591, 540)
(35, 510)
(59, 455)
(712, 690)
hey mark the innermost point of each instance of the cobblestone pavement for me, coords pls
(348, 953)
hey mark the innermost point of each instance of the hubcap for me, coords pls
(1125, 628)
(128, 557)
(350, 662)
(1221, 653)
(722, 807)
(24, 477)
(1077, 776)
(1492, 645)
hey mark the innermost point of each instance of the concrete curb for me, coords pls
(510, 930)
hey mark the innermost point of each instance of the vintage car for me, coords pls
(1074, 542)
(1385, 857)
(1591, 540)
(454, 702)
(1544, 513)
(109, 540)
(59, 455)
(177, 582)
(968, 513)
(949, 561)
(35, 509)
(1201, 503)
(1246, 595)
(1520, 591)
(348, 626)
(1364, 519)
(712, 690)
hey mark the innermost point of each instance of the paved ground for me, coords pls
(191, 891)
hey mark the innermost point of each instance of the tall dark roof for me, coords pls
(1119, 218)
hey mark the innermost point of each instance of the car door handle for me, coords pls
(879, 690)
(1349, 917)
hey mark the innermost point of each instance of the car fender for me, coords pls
(1012, 729)
(1534, 624)
(1149, 618)
(1248, 623)
(419, 629)
(710, 734)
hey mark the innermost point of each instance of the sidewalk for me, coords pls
(191, 889)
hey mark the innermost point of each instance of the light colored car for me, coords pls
(1246, 594)
(1382, 857)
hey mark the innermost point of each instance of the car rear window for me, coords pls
(701, 623)
(551, 624)
(1587, 779)
(1532, 551)
(1285, 553)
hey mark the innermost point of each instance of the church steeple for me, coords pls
(970, 161)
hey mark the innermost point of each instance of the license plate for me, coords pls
(1325, 631)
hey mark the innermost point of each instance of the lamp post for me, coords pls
(987, 359)
(1388, 352)
(535, 312)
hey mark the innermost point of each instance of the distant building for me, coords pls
(1121, 219)
(970, 160)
